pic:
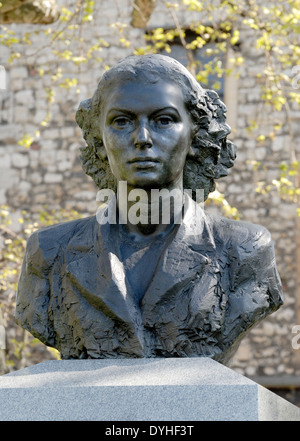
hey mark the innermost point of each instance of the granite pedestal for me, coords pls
(181, 389)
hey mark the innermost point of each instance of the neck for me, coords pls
(148, 212)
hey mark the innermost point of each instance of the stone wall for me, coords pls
(49, 172)
(268, 349)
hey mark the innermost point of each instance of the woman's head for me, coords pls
(210, 154)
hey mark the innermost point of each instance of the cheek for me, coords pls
(179, 143)
(170, 140)
(180, 150)
(114, 146)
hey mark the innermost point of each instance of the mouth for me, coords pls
(143, 162)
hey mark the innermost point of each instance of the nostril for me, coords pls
(143, 144)
(143, 138)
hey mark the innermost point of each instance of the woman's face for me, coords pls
(146, 131)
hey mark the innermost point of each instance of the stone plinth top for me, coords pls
(182, 389)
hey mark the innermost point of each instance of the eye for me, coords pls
(164, 120)
(121, 121)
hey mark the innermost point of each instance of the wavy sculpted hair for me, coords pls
(211, 154)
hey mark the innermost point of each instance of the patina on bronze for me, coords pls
(188, 289)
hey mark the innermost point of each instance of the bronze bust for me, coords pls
(97, 289)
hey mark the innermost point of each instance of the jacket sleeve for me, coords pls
(33, 293)
(256, 263)
(256, 289)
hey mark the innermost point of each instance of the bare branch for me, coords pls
(142, 10)
(28, 11)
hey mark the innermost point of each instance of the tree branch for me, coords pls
(141, 13)
(29, 11)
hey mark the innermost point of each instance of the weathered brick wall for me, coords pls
(49, 172)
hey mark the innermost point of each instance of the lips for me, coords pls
(142, 160)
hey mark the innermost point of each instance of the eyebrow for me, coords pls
(130, 112)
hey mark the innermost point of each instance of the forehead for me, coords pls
(139, 95)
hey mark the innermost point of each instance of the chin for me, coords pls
(145, 180)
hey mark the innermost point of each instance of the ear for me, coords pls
(100, 149)
(192, 152)
(194, 149)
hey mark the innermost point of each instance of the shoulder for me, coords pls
(248, 248)
(239, 234)
(250, 252)
(61, 232)
(44, 244)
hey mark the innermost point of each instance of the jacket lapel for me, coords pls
(97, 272)
(185, 259)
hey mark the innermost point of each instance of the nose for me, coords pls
(142, 137)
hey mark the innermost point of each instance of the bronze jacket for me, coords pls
(214, 280)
